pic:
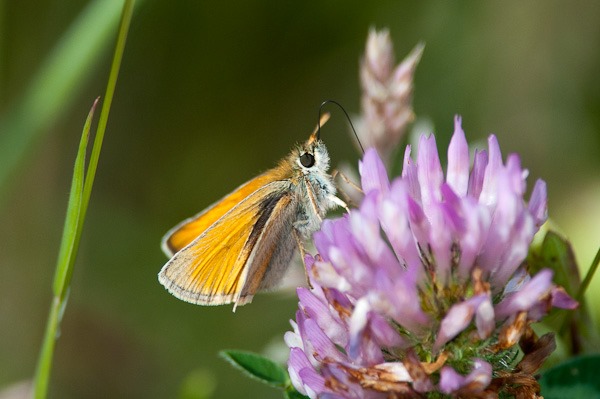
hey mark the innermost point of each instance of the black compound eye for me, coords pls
(307, 160)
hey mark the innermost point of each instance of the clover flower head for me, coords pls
(423, 291)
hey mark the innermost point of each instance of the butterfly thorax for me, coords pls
(313, 185)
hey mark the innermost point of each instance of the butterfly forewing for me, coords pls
(188, 230)
(212, 268)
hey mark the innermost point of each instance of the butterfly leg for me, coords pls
(346, 180)
(302, 254)
(339, 202)
(349, 190)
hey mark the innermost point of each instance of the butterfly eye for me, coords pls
(307, 160)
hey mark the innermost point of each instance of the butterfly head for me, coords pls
(311, 157)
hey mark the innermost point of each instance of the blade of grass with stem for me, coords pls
(79, 197)
(66, 253)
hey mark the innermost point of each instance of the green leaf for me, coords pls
(293, 394)
(258, 367)
(574, 379)
(575, 328)
(557, 254)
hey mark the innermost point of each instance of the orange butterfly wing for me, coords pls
(188, 230)
(214, 267)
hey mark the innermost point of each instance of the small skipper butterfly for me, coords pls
(244, 243)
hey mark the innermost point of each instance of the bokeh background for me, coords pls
(211, 93)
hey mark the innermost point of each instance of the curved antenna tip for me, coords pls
(325, 116)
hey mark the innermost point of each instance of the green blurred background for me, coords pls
(211, 93)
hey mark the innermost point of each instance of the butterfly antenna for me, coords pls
(323, 104)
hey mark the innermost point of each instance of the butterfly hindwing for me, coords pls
(275, 246)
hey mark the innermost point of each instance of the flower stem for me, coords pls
(582, 289)
(588, 277)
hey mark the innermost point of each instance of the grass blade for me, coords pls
(108, 97)
(67, 244)
(65, 257)
(78, 202)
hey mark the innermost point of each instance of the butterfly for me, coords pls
(244, 243)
